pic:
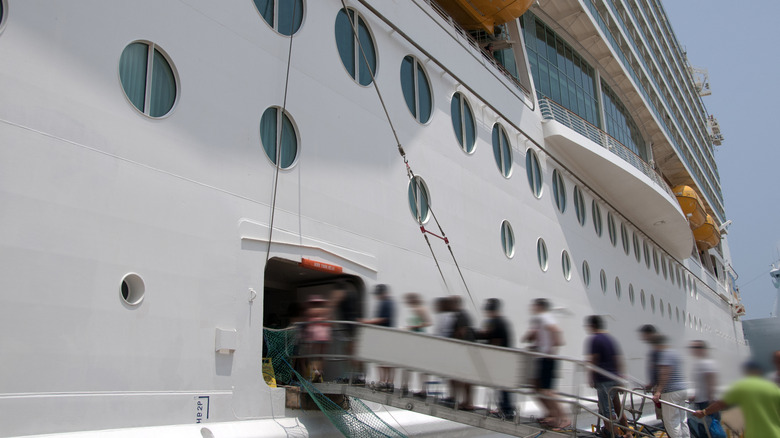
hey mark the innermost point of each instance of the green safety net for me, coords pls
(354, 419)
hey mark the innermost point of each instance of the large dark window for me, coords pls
(619, 123)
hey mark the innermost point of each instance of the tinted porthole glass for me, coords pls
(284, 16)
(502, 150)
(611, 229)
(579, 206)
(661, 306)
(534, 172)
(566, 265)
(637, 249)
(275, 122)
(655, 260)
(357, 52)
(663, 267)
(677, 311)
(416, 89)
(541, 254)
(671, 271)
(419, 199)
(596, 213)
(652, 302)
(507, 239)
(618, 291)
(642, 299)
(147, 79)
(631, 293)
(559, 191)
(679, 278)
(624, 239)
(647, 253)
(586, 273)
(669, 310)
(603, 279)
(463, 122)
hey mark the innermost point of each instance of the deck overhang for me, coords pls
(637, 197)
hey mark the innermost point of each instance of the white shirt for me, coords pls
(701, 368)
(542, 324)
(443, 324)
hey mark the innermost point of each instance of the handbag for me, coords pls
(716, 430)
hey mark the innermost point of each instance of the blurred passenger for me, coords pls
(417, 321)
(545, 337)
(346, 307)
(317, 333)
(759, 399)
(647, 332)
(443, 323)
(670, 387)
(496, 331)
(705, 376)
(385, 317)
(463, 330)
(775, 375)
(603, 351)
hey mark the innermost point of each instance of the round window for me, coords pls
(611, 229)
(579, 206)
(284, 16)
(603, 278)
(631, 293)
(618, 291)
(502, 150)
(148, 79)
(596, 213)
(463, 122)
(357, 52)
(642, 299)
(541, 254)
(586, 273)
(132, 289)
(277, 133)
(566, 265)
(534, 171)
(419, 200)
(416, 89)
(559, 191)
(507, 239)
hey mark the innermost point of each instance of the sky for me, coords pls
(737, 44)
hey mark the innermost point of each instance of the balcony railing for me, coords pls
(553, 111)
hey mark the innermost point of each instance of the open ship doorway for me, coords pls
(289, 286)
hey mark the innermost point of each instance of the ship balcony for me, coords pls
(619, 176)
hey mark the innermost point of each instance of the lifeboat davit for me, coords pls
(691, 205)
(484, 14)
(707, 235)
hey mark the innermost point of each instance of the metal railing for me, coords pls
(553, 111)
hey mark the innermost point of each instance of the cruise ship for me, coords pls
(174, 174)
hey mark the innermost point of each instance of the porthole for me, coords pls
(631, 293)
(148, 79)
(655, 260)
(679, 278)
(637, 249)
(416, 89)
(663, 267)
(695, 291)
(502, 150)
(463, 122)
(642, 299)
(596, 213)
(275, 122)
(357, 52)
(671, 271)
(419, 200)
(618, 291)
(534, 171)
(690, 284)
(579, 206)
(586, 273)
(603, 278)
(541, 254)
(624, 239)
(507, 239)
(652, 302)
(132, 289)
(566, 265)
(646, 249)
(661, 307)
(669, 310)
(690, 320)
(611, 229)
(559, 191)
(284, 16)
(677, 311)
(2, 13)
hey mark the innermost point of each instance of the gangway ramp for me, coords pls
(486, 366)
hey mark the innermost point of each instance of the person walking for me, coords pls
(670, 387)
(647, 332)
(417, 321)
(385, 317)
(705, 376)
(759, 399)
(463, 330)
(496, 331)
(603, 351)
(545, 337)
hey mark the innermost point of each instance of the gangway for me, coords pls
(485, 366)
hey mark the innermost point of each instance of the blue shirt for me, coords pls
(386, 311)
(605, 351)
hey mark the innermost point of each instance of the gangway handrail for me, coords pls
(647, 397)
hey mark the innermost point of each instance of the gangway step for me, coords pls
(520, 426)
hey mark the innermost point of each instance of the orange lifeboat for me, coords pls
(707, 235)
(691, 205)
(484, 14)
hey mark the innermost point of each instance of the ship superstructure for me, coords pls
(174, 175)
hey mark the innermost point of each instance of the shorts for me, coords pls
(545, 372)
(602, 389)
